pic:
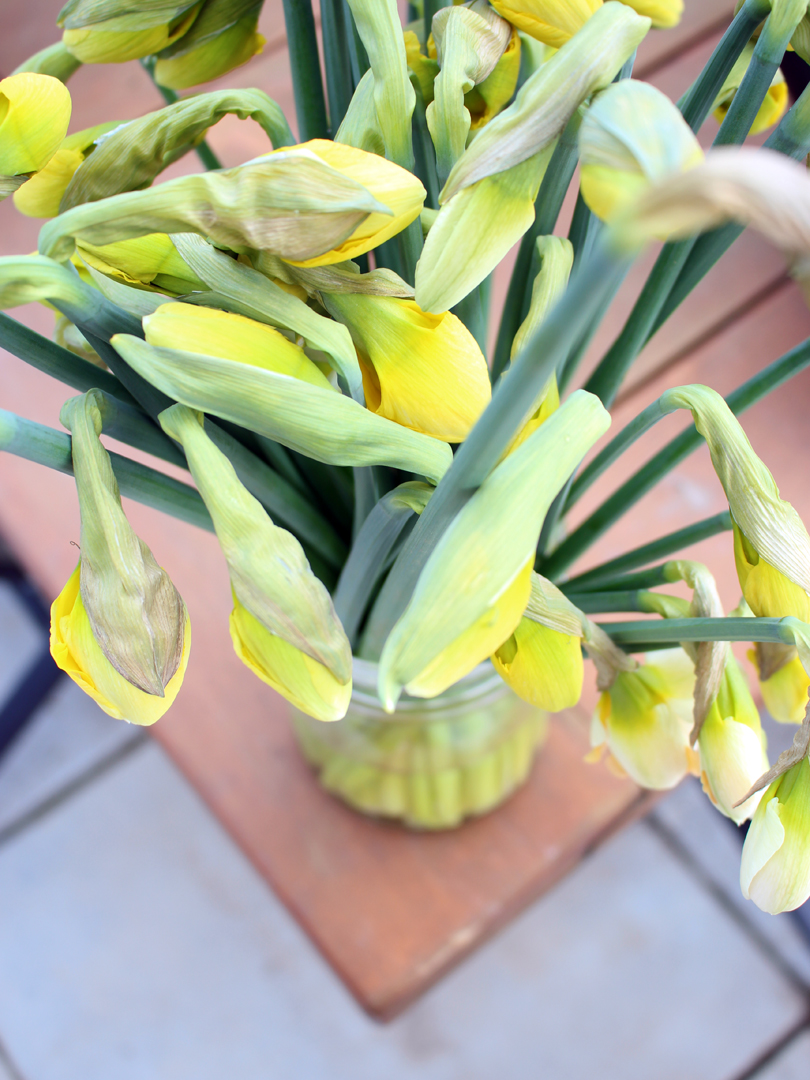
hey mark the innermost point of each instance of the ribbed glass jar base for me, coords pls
(433, 762)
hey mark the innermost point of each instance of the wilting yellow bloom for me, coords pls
(232, 337)
(41, 196)
(551, 21)
(543, 666)
(732, 746)
(644, 721)
(389, 184)
(420, 370)
(309, 685)
(123, 36)
(76, 652)
(785, 692)
(34, 115)
(146, 261)
(775, 868)
(216, 44)
(772, 108)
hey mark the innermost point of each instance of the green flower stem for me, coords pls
(204, 152)
(613, 574)
(487, 441)
(41, 444)
(410, 242)
(131, 426)
(358, 56)
(430, 9)
(643, 579)
(666, 459)
(45, 355)
(310, 107)
(366, 495)
(279, 457)
(473, 311)
(423, 152)
(619, 600)
(673, 631)
(150, 399)
(339, 83)
(547, 207)
(698, 100)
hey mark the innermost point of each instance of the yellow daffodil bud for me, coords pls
(644, 721)
(222, 37)
(785, 689)
(732, 746)
(631, 137)
(34, 115)
(772, 108)
(283, 625)
(146, 261)
(420, 370)
(313, 204)
(41, 196)
(111, 32)
(551, 21)
(119, 628)
(218, 333)
(775, 868)
(473, 589)
(664, 13)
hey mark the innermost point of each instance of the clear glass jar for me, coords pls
(433, 762)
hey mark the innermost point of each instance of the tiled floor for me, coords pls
(137, 943)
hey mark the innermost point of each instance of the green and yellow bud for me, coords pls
(119, 628)
(146, 262)
(732, 746)
(489, 97)
(775, 867)
(34, 116)
(283, 625)
(233, 337)
(41, 196)
(111, 32)
(785, 690)
(772, 108)
(420, 370)
(632, 136)
(222, 37)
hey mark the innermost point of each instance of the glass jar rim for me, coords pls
(482, 686)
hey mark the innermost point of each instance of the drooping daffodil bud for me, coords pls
(219, 333)
(420, 370)
(313, 204)
(775, 867)
(542, 660)
(146, 262)
(732, 746)
(34, 116)
(283, 626)
(488, 201)
(474, 587)
(222, 37)
(470, 41)
(488, 98)
(644, 719)
(631, 137)
(118, 628)
(112, 32)
(41, 196)
(772, 108)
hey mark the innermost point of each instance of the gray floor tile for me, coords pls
(716, 848)
(136, 943)
(20, 640)
(792, 1064)
(68, 736)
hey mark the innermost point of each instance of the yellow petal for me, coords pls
(542, 666)
(40, 197)
(232, 337)
(768, 592)
(309, 685)
(34, 116)
(77, 653)
(785, 693)
(99, 46)
(146, 260)
(551, 21)
(664, 13)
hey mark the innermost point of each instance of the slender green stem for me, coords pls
(698, 100)
(339, 84)
(302, 42)
(666, 459)
(204, 152)
(45, 446)
(673, 631)
(547, 208)
(473, 310)
(566, 372)
(279, 457)
(357, 50)
(366, 495)
(423, 151)
(129, 425)
(642, 579)
(430, 8)
(151, 400)
(614, 573)
(597, 603)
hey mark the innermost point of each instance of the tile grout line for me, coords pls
(676, 846)
(73, 787)
(774, 1051)
(8, 1064)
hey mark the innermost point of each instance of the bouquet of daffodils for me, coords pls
(306, 334)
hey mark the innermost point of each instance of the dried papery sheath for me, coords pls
(131, 155)
(284, 625)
